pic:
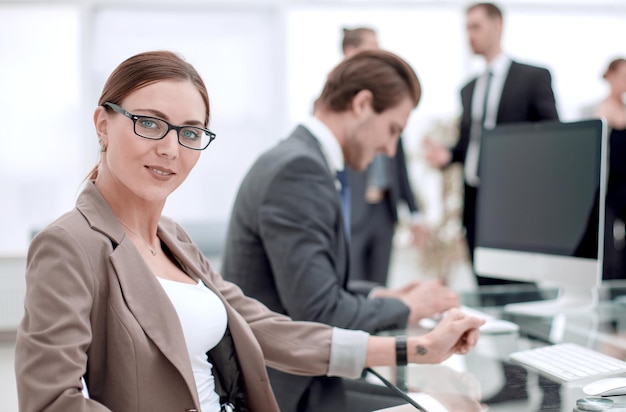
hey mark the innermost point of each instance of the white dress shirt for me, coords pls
(499, 69)
(328, 142)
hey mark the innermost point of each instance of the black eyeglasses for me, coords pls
(153, 128)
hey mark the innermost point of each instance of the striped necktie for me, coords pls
(473, 149)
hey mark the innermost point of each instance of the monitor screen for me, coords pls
(540, 204)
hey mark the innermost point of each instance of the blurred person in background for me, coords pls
(613, 110)
(506, 92)
(376, 193)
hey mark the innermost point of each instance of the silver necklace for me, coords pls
(148, 246)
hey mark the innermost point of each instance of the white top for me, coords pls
(197, 305)
(499, 69)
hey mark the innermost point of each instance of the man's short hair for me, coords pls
(614, 65)
(354, 37)
(491, 9)
(388, 77)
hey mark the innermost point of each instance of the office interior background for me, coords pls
(264, 62)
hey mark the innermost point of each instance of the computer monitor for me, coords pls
(540, 210)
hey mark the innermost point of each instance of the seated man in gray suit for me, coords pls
(287, 243)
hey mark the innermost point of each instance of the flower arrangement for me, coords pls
(443, 254)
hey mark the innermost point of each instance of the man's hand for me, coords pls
(419, 234)
(426, 298)
(436, 155)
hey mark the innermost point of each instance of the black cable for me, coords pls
(397, 390)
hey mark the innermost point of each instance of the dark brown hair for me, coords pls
(491, 9)
(147, 68)
(144, 69)
(387, 76)
(354, 37)
(615, 63)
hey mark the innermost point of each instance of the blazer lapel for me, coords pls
(507, 92)
(139, 286)
(159, 321)
(467, 95)
(314, 149)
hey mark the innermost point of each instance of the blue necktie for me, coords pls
(345, 200)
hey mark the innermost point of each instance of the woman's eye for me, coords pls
(147, 123)
(190, 134)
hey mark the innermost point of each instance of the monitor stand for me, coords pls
(571, 299)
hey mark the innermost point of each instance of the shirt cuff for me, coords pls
(347, 353)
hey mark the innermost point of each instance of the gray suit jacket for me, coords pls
(286, 246)
(93, 308)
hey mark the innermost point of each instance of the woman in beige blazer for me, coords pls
(103, 304)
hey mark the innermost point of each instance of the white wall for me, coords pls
(235, 53)
(263, 61)
(39, 118)
(575, 40)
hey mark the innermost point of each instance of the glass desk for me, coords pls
(485, 379)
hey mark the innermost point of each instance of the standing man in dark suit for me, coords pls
(507, 92)
(287, 243)
(376, 192)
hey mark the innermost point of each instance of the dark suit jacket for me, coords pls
(399, 189)
(286, 246)
(93, 308)
(526, 96)
(616, 190)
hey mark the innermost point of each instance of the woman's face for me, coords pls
(144, 168)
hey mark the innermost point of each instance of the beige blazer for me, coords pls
(94, 309)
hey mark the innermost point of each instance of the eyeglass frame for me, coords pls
(135, 117)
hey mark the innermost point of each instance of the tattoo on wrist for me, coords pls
(420, 350)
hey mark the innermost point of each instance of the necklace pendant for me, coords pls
(153, 251)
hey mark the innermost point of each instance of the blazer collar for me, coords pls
(101, 218)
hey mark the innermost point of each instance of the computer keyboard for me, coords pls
(568, 362)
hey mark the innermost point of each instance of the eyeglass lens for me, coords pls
(189, 136)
